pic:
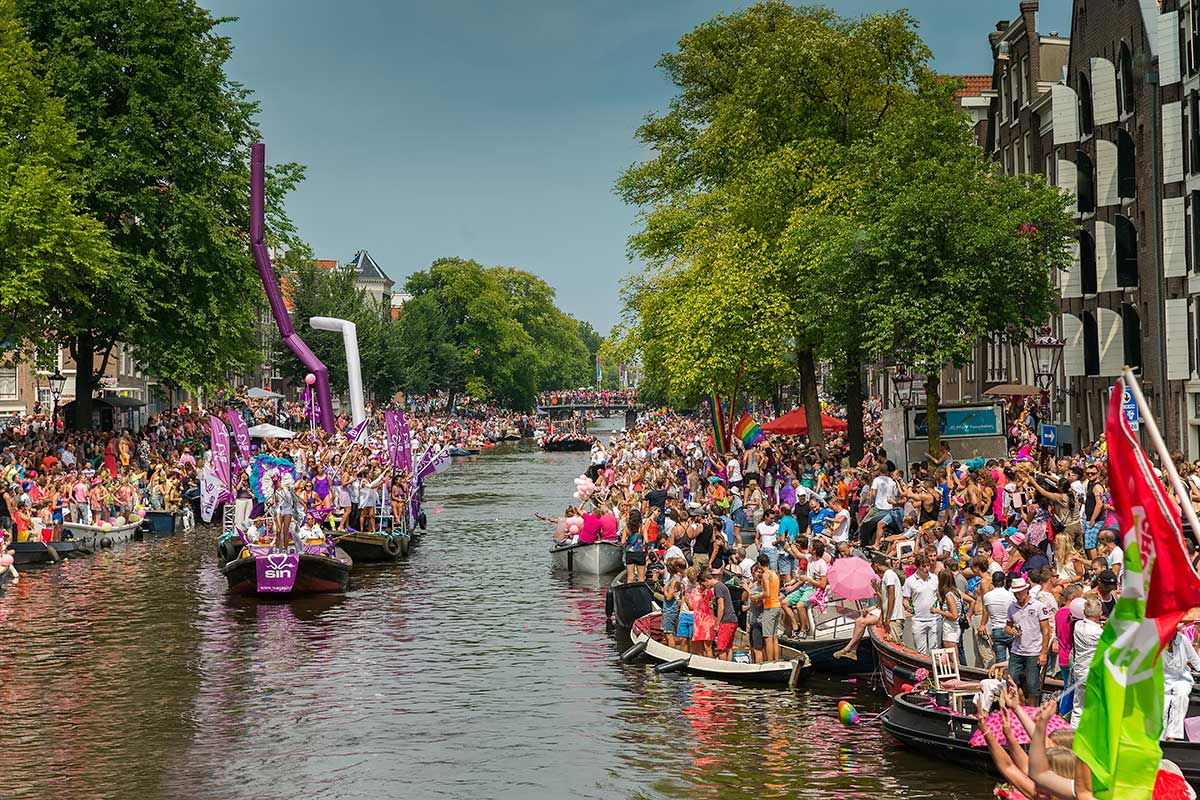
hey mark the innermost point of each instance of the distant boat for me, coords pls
(316, 574)
(593, 558)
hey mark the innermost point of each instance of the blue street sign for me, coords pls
(1050, 436)
(1130, 408)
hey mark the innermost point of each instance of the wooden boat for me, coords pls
(787, 672)
(945, 735)
(93, 537)
(458, 452)
(594, 558)
(625, 603)
(366, 547)
(315, 574)
(165, 523)
(43, 552)
(898, 664)
(834, 629)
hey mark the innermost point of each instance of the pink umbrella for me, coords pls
(852, 578)
(994, 724)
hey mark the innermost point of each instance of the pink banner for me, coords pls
(241, 434)
(404, 459)
(219, 456)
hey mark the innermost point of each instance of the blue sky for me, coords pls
(494, 130)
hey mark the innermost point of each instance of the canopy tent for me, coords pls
(794, 423)
(1013, 390)
(255, 393)
(269, 431)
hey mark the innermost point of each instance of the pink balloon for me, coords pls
(6, 561)
(574, 529)
(310, 379)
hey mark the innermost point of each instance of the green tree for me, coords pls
(52, 250)
(769, 102)
(164, 147)
(561, 358)
(942, 249)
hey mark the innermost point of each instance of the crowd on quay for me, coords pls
(1025, 555)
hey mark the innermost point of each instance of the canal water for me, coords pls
(468, 671)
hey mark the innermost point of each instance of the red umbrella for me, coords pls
(795, 423)
(852, 578)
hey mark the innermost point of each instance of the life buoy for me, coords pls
(392, 546)
(421, 520)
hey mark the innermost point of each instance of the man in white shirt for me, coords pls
(920, 595)
(839, 526)
(885, 497)
(945, 545)
(996, 603)
(764, 538)
(733, 470)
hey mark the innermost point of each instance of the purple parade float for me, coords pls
(276, 561)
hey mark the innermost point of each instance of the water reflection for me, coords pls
(469, 671)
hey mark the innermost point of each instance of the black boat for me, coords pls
(945, 735)
(625, 603)
(43, 552)
(374, 547)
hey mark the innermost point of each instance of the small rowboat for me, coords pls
(314, 574)
(626, 602)
(43, 552)
(647, 631)
(93, 537)
(566, 443)
(594, 558)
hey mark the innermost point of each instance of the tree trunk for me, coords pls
(84, 353)
(812, 404)
(450, 401)
(932, 385)
(854, 412)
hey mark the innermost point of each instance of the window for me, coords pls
(1193, 34)
(8, 383)
(1086, 122)
(1194, 229)
(1194, 131)
(1025, 80)
(1004, 96)
(1051, 171)
(1091, 344)
(1085, 183)
(1131, 326)
(1126, 101)
(1019, 158)
(1025, 165)
(1087, 262)
(1126, 165)
(1127, 260)
(1006, 161)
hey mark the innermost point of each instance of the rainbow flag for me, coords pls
(747, 430)
(720, 437)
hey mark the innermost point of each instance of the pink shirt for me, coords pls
(608, 528)
(1063, 631)
(80, 492)
(591, 528)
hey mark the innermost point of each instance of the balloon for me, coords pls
(573, 529)
(310, 379)
(107, 526)
(6, 561)
(576, 496)
(906, 687)
(120, 521)
(847, 713)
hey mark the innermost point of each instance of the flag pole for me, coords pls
(1182, 496)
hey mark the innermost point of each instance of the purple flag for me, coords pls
(439, 463)
(276, 572)
(211, 492)
(404, 454)
(220, 452)
(241, 435)
(355, 432)
(392, 428)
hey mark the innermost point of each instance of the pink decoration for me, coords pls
(994, 725)
(310, 379)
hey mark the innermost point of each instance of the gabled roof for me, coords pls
(366, 267)
(973, 85)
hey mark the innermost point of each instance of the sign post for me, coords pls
(1129, 408)
(1050, 437)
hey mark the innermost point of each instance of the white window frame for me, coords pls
(10, 374)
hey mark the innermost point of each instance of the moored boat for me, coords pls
(834, 629)
(93, 537)
(43, 552)
(647, 631)
(566, 442)
(593, 558)
(626, 602)
(165, 523)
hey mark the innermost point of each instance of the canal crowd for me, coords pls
(1024, 554)
(51, 476)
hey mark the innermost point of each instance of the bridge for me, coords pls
(630, 409)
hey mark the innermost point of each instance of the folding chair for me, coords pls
(947, 679)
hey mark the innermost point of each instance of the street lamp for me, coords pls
(902, 382)
(57, 381)
(1046, 350)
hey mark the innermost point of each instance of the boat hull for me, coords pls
(39, 553)
(317, 575)
(625, 603)
(773, 673)
(595, 558)
(166, 523)
(567, 446)
(820, 653)
(93, 537)
(374, 548)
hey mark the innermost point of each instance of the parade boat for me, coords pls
(834, 629)
(165, 523)
(272, 572)
(648, 639)
(593, 558)
(920, 724)
(370, 547)
(898, 663)
(626, 602)
(90, 538)
(566, 442)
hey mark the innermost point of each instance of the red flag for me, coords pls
(1142, 505)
